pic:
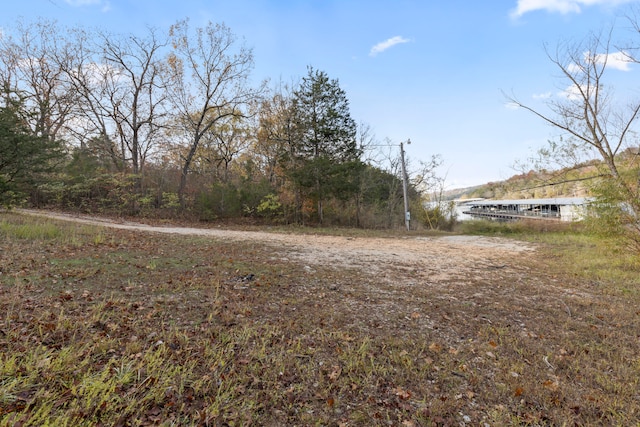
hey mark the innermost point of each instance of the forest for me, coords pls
(170, 124)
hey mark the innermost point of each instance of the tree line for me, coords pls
(170, 123)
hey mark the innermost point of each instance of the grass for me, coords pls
(604, 261)
(111, 327)
(36, 230)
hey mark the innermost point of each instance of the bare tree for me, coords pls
(29, 70)
(132, 92)
(591, 120)
(209, 83)
(225, 142)
(274, 132)
(92, 128)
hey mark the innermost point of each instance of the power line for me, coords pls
(562, 182)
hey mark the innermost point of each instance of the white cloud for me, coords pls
(616, 60)
(382, 46)
(573, 68)
(560, 6)
(572, 93)
(545, 95)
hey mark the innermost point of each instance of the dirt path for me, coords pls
(438, 258)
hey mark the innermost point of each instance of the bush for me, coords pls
(270, 207)
(437, 216)
(220, 201)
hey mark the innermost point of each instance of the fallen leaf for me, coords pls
(401, 393)
(335, 373)
(552, 384)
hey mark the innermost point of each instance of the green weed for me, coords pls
(39, 230)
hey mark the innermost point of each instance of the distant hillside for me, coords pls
(462, 193)
(572, 182)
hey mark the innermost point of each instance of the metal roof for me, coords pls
(549, 201)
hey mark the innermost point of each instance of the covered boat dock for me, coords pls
(558, 209)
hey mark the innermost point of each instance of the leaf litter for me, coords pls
(232, 327)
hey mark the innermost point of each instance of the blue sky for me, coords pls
(426, 70)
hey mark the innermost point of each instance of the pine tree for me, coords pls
(24, 157)
(326, 156)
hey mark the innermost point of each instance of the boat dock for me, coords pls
(557, 209)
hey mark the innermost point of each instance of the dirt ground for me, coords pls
(481, 330)
(436, 258)
(398, 275)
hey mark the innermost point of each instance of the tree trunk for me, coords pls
(185, 171)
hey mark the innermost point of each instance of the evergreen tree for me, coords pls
(24, 157)
(326, 159)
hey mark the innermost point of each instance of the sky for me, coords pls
(434, 72)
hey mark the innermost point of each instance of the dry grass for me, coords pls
(114, 327)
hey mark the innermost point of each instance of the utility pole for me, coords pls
(407, 214)
(405, 180)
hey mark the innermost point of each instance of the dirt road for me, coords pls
(436, 258)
